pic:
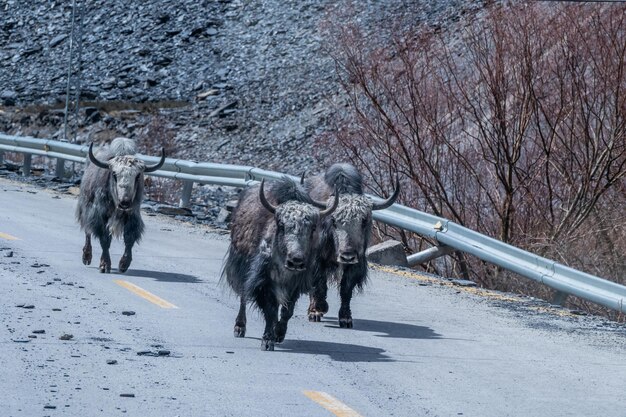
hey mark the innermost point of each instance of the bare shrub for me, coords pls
(156, 135)
(513, 125)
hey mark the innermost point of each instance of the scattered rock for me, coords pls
(463, 282)
(39, 331)
(128, 313)
(66, 336)
(57, 40)
(127, 395)
(8, 97)
(173, 211)
(163, 352)
(9, 254)
(111, 362)
(224, 216)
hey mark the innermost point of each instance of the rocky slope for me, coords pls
(231, 81)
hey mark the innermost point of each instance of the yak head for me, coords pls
(295, 232)
(126, 177)
(353, 224)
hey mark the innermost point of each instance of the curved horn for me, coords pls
(388, 202)
(264, 201)
(324, 213)
(317, 204)
(302, 177)
(94, 160)
(158, 165)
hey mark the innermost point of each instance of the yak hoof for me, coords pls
(240, 331)
(280, 331)
(267, 344)
(345, 323)
(315, 316)
(86, 257)
(105, 267)
(124, 264)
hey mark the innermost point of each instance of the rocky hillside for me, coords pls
(230, 81)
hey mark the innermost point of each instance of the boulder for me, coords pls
(390, 252)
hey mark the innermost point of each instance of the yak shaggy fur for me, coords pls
(98, 211)
(262, 246)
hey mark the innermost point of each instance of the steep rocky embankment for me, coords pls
(233, 81)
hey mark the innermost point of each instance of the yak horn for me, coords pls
(158, 165)
(332, 208)
(94, 160)
(388, 202)
(302, 177)
(264, 201)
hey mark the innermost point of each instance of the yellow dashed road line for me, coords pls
(144, 294)
(7, 236)
(331, 404)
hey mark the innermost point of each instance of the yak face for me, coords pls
(296, 228)
(353, 222)
(125, 173)
(126, 181)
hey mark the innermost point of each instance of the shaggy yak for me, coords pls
(272, 253)
(110, 197)
(343, 244)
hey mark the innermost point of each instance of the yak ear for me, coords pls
(388, 202)
(158, 165)
(268, 206)
(95, 160)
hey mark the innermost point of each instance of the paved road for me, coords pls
(418, 348)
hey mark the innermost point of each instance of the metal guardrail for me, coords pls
(553, 274)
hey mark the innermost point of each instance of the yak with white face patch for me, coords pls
(109, 202)
(272, 253)
(344, 238)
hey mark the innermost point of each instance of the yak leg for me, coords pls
(105, 259)
(318, 305)
(132, 233)
(285, 314)
(240, 321)
(127, 257)
(269, 306)
(352, 276)
(87, 252)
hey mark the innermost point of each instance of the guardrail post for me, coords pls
(26, 166)
(429, 254)
(559, 298)
(186, 195)
(59, 172)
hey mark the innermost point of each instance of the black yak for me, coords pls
(111, 192)
(344, 238)
(272, 253)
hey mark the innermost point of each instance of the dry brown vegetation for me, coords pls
(514, 125)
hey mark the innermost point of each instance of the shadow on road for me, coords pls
(388, 329)
(163, 276)
(340, 352)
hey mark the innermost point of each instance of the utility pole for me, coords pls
(72, 90)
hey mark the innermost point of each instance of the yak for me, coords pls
(111, 192)
(344, 238)
(271, 256)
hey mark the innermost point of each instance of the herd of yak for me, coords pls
(287, 239)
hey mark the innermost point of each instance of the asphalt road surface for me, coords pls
(70, 345)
